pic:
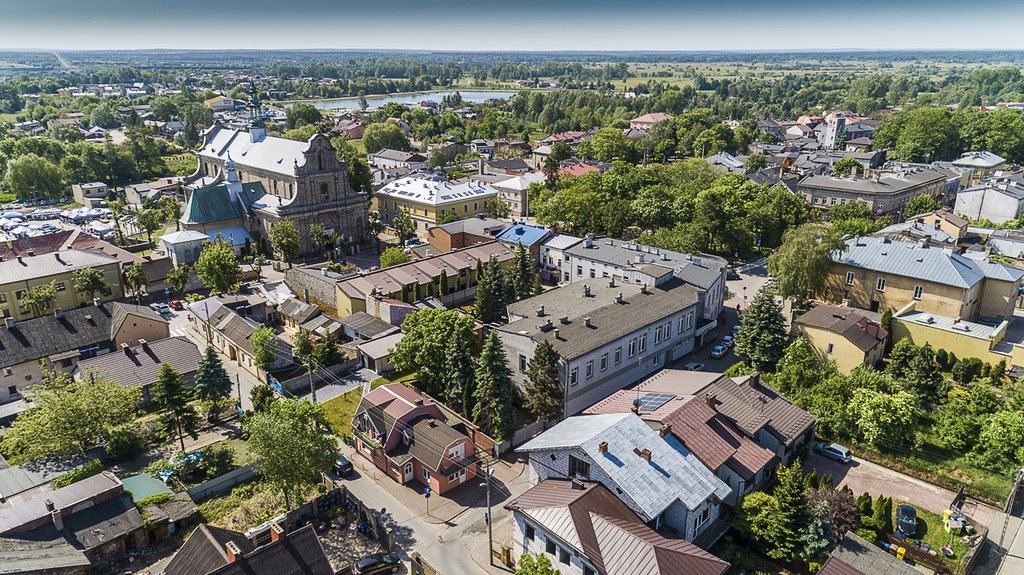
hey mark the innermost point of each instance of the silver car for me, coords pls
(834, 451)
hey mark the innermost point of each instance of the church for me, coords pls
(247, 182)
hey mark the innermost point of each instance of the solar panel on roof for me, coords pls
(653, 400)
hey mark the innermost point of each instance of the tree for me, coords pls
(1001, 443)
(535, 565)
(291, 445)
(755, 162)
(385, 135)
(374, 228)
(404, 226)
(263, 397)
(802, 262)
(302, 114)
(173, 399)
(762, 336)
(135, 280)
(458, 378)
(855, 210)
(264, 347)
(68, 416)
(393, 256)
(319, 236)
(846, 165)
(920, 204)
(523, 277)
(40, 298)
(431, 336)
(179, 277)
(89, 282)
(497, 208)
(491, 291)
(843, 509)
(212, 383)
(543, 389)
(791, 513)
(150, 220)
(171, 210)
(609, 144)
(326, 353)
(30, 175)
(494, 391)
(885, 417)
(881, 520)
(819, 534)
(801, 369)
(218, 268)
(303, 348)
(284, 237)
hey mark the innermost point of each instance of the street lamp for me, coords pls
(489, 518)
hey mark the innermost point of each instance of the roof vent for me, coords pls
(9, 322)
(586, 322)
(564, 320)
(578, 485)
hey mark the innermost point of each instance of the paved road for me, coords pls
(338, 386)
(865, 476)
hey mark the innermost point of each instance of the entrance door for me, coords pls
(408, 472)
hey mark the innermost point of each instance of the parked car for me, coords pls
(731, 274)
(177, 304)
(160, 308)
(377, 563)
(728, 340)
(735, 330)
(694, 366)
(719, 351)
(834, 451)
(342, 466)
(906, 520)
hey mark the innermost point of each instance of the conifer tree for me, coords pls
(543, 389)
(172, 398)
(494, 391)
(762, 337)
(213, 383)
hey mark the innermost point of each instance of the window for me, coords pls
(574, 376)
(593, 274)
(465, 209)
(657, 334)
(918, 292)
(668, 329)
(325, 193)
(604, 361)
(455, 453)
(531, 533)
(681, 324)
(830, 347)
(522, 362)
(3, 298)
(65, 363)
(849, 278)
(579, 270)
(59, 286)
(563, 556)
(578, 468)
(424, 211)
(12, 390)
(632, 347)
(702, 519)
(588, 570)
(880, 285)
(590, 369)
(618, 355)
(426, 474)
(20, 294)
(550, 547)
(643, 342)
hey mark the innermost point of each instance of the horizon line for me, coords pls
(552, 51)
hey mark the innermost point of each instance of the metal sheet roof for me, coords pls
(918, 261)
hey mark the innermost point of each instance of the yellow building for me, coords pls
(20, 275)
(427, 196)
(943, 220)
(846, 336)
(986, 341)
(878, 273)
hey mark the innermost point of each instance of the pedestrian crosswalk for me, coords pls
(179, 331)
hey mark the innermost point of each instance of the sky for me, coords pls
(521, 25)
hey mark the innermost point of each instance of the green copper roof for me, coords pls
(214, 204)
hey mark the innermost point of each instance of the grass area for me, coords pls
(245, 506)
(398, 378)
(181, 164)
(341, 409)
(930, 530)
(359, 146)
(239, 447)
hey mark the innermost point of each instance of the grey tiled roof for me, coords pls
(366, 325)
(651, 485)
(49, 264)
(609, 320)
(911, 260)
(42, 337)
(887, 183)
(701, 270)
(478, 226)
(141, 365)
(856, 556)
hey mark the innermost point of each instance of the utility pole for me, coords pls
(489, 517)
(312, 388)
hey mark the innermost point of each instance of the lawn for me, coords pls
(341, 410)
(181, 164)
(407, 378)
(930, 530)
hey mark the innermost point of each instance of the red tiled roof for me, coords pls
(577, 170)
(857, 328)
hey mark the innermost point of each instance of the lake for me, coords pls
(379, 100)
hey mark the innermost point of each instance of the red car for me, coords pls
(177, 304)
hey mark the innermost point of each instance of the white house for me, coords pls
(657, 478)
(997, 199)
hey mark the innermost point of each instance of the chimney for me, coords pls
(58, 312)
(276, 532)
(755, 378)
(643, 289)
(588, 240)
(709, 398)
(21, 262)
(419, 401)
(564, 320)
(665, 430)
(540, 311)
(586, 290)
(578, 485)
(126, 349)
(144, 344)
(611, 282)
(58, 520)
(232, 551)
(480, 166)
(646, 454)
(323, 271)
(558, 333)
(603, 447)
(9, 322)
(618, 297)
(586, 321)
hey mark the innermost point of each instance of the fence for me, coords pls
(222, 484)
(299, 385)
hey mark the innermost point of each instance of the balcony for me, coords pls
(366, 438)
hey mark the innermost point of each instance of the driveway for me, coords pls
(864, 476)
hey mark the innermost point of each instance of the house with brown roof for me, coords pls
(758, 411)
(584, 529)
(736, 459)
(140, 366)
(647, 121)
(212, 550)
(231, 334)
(847, 336)
(407, 436)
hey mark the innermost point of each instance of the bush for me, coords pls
(124, 443)
(158, 499)
(91, 467)
(217, 460)
(158, 466)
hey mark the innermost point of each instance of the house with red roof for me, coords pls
(646, 121)
(407, 436)
(735, 459)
